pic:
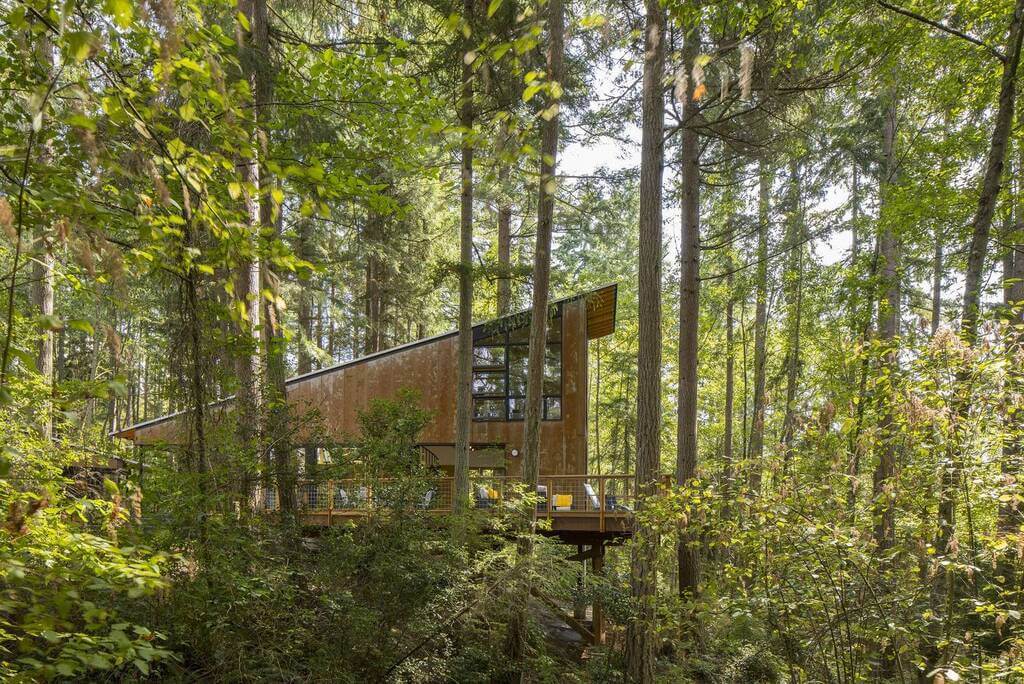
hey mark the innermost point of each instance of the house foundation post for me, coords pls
(597, 610)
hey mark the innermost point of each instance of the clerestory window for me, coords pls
(499, 372)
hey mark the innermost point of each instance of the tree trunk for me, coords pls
(689, 320)
(463, 412)
(504, 231)
(793, 288)
(981, 225)
(937, 282)
(643, 576)
(728, 438)
(275, 428)
(305, 312)
(247, 289)
(888, 325)
(756, 451)
(42, 271)
(534, 408)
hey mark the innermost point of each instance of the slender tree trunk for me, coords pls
(534, 409)
(504, 231)
(689, 320)
(305, 313)
(42, 271)
(276, 428)
(728, 438)
(888, 325)
(247, 288)
(937, 282)
(981, 225)
(643, 576)
(793, 287)
(463, 412)
(756, 455)
(1010, 513)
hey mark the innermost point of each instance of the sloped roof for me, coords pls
(600, 301)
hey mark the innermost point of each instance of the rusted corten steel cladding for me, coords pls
(428, 366)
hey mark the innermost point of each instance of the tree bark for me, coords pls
(888, 325)
(793, 288)
(42, 271)
(688, 558)
(756, 451)
(463, 411)
(534, 408)
(937, 282)
(643, 575)
(981, 225)
(247, 289)
(504, 231)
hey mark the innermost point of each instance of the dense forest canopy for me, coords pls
(812, 401)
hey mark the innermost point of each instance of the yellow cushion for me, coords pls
(563, 500)
(492, 493)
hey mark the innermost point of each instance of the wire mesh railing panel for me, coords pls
(559, 494)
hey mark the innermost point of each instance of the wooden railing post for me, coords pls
(601, 500)
(330, 502)
(551, 496)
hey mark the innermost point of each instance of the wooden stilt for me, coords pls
(597, 563)
(579, 605)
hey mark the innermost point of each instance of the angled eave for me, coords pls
(600, 303)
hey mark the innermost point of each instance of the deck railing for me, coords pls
(556, 496)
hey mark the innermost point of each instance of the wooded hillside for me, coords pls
(801, 412)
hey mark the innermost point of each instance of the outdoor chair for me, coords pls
(341, 498)
(428, 499)
(563, 502)
(611, 503)
(542, 493)
(592, 496)
(483, 497)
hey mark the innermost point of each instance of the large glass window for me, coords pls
(499, 372)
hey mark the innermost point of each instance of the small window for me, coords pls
(489, 357)
(488, 409)
(489, 382)
(517, 408)
(552, 408)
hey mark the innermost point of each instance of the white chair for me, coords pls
(592, 495)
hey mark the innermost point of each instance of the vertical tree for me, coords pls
(464, 379)
(756, 451)
(643, 575)
(689, 311)
(888, 327)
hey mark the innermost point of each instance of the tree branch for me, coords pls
(942, 27)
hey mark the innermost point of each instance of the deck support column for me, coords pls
(579, 604)
(597, 611)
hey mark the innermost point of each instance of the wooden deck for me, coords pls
(572, 507)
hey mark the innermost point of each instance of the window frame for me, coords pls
(508, 345)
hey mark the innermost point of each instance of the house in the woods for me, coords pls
(500, 346)
(581, 508)
(576, 500)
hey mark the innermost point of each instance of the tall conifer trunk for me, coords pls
(689, 316)
(756, 451)
(888, 326)
(534, 409)
(643, 575)
(463, 398)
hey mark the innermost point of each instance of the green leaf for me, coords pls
(121, 10)
(79, 44)
(110, 486)
(142, 665)
(493, 7)
(235, 190)
(82, 325)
